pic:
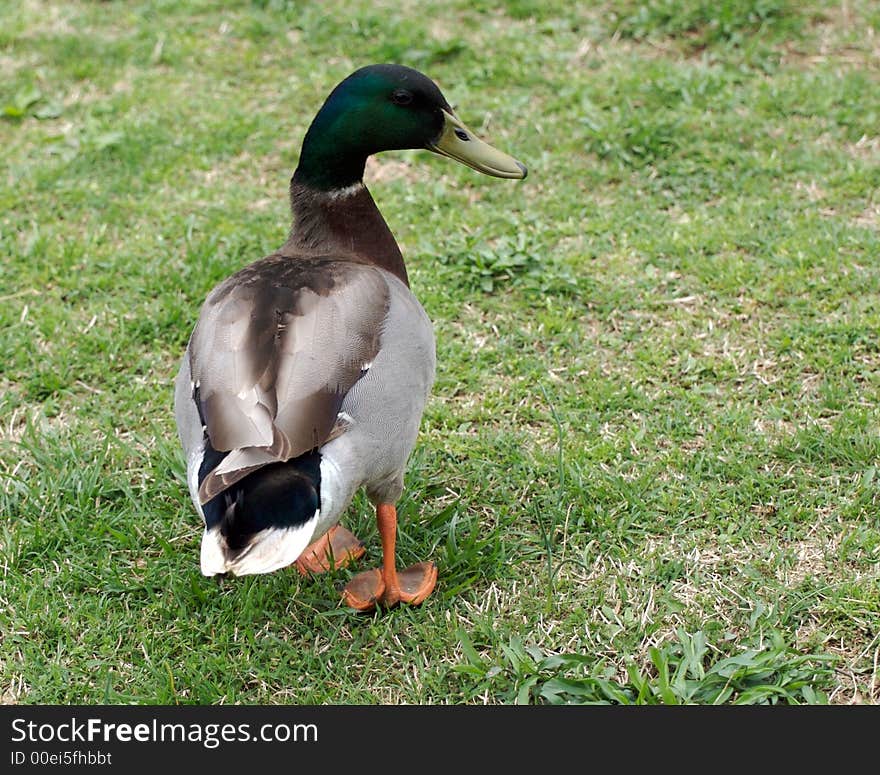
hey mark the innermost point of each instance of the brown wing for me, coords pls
(275, 350)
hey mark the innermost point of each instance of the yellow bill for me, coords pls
(458, 142)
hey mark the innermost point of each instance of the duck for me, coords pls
(307, 371)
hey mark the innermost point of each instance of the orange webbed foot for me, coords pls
(369, 589)
(335, 549)
(388, 587)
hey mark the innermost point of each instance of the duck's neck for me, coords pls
(343, 221)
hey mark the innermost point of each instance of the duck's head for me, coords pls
(386, 108)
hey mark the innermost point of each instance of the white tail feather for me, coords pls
(269, 550)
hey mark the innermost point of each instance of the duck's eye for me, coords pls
(402, 97)
(461, 134)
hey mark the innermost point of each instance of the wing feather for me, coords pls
(275, 351)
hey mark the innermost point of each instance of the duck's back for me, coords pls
(304, 379)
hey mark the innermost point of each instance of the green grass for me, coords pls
(648, 471)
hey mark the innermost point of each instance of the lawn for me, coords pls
(648, 471)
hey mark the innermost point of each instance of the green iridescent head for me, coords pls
(385, 108)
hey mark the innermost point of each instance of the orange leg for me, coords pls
(335, 549)
(388, 587)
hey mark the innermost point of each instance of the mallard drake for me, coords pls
(307, 372)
